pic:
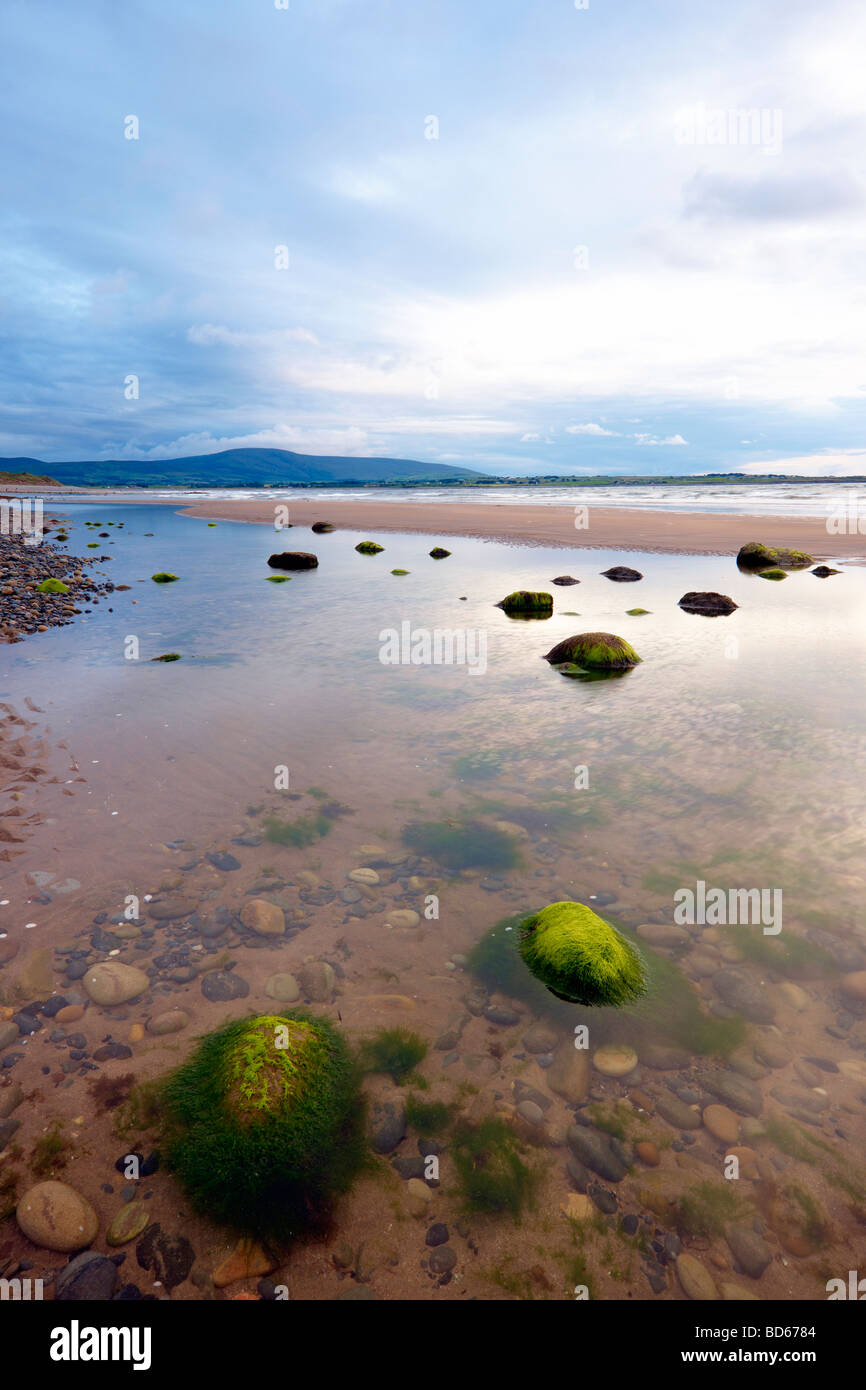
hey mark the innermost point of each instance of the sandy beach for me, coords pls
(605, 528)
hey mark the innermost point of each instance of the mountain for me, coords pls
(241, 468)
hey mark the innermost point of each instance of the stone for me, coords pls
(540, 1039)
(171, 909)
(264, 918)
(677, 1113)
(172, 1021)
(386, 1125)
(36, 979)
(853, 985)
(8, 1034)
(293, 560)
(403, 917)
(53, 1215)
(419, 1196)
(794, 996)
(772, 1053)
(248, 1260)
(735, 1293)
(577, 1207)
(736, 1091)
(621, 574)
(219, 986)
(648, 1153)
(743, 995)
(709, 604)
(170, 1258)
(316, 979)
(362, 875)
(442, 1259)
(10, 1098)
(662, 1058)
(695, 1281)
(614, 1059)
(282, 987)
(90, 1277)
(128, 1224)
(661, 934)
(751, 1251)
(569, 1075)
(114, 983)
(70, 1014)
(721, 1123)
(595, 1151)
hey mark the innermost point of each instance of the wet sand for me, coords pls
(680, 533)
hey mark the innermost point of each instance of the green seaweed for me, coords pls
(302, 831)
(462, 845)
(492, 1175)
(163, 577)
(396, 1051)
(580, 957)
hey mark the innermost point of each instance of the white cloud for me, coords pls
(211, 335)
(840, 463)
(591, 429)
(672, 439)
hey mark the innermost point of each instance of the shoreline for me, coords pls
(608, 528)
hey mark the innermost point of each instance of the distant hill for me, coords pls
(243, 468)
(24, 479)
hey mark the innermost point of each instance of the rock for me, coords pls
(70, 1014)
(741, 1095)
(802, 1104)
(90, 1277)
(853, 986)
(661, 1058)
(677, 1113)
(403, 917)
(531, 1113)
(172, 1021)
(113, 983)
(540, 1038)
(824, 571)
(112, 1052)
(419, 1196)
(564, 579)
(501, 1016)
(577, 1206)
(747, 1159)
(9, 1128)
(171, 909)
(661, 934)
(754, 555)
(10, 1098)
(750, 1250)
(283, 987)
(386, 1125)
(363, 875)
(771, 1053)
(219, 986)
(128, 1224)
(442, 1259)
(316, 979)
(369, 548)
(438, 553)
(223, 861)
(594, 651)
(264, 918)
(569, 1075)
(596, 1152)
(710, 605)
(53, 1215)
(621, 574)
(735, 1293)
(169, 1258)
(721, 1123)
(648, 1153)
(248, 1260)
(744, 996)
(614, 1059)
(322, 528)
(527, 601)
(36, 979)
(8, 1034)
(293, 560)
(695, 1281)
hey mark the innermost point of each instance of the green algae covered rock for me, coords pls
(52, 586)
(167, 656)
(772, 574)
(439, 553)
(757, 556)
(263, 1124)
(594, 651)
(368, 548)
(163, 577)
(399, 571)
(580, 957)
(527, 601)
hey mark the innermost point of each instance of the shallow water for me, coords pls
(731, 755)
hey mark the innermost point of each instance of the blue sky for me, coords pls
(633, 244)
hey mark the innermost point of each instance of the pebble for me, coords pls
(662, 934)
(283, 987)
(114, 983)
(55, 1216)
(403, 917)
(316, 979)
(695, 1282)
(128, 1224)
(219, 986)
(172, 1021)
(677, 1114)
(90, 1277)
(595, 1151)
(614, 1060)
(386, 1125)
(264, 918)
(368, 876)
(442, 1259)
(750, 1250)
(648, 1153)
(721, 1123)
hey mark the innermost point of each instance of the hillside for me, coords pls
(241, 468)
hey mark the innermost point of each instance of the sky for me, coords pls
(514, 235)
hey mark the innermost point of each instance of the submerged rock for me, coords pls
(111, 982)
(565, 579)
(709, 604)
(293, 560)
(437, 553)
(594, 651)
(53, 1215)
(580, 957)
(754, 555)
(322, 528)
(824, 571)
(369, 548)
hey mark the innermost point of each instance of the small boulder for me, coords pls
(293, 560)
(56, 1217)
(525, 601)
(709, 604)
(264, 918)
(594, 651)
(437, 553)
(564, 580)
(322, 528)
(754, 555)
(369, 548)
(824, 571)
(111, 982)
(621, 574)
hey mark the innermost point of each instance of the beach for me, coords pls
(580, 527)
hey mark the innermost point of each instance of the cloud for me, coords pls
(591, 429)
(672, 439)
(317, 441)
(211, 335)
(839, 463)
(805, 196)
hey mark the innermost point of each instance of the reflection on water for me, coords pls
(729, 757)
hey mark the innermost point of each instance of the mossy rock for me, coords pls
(638, 612)
(52, 586)
(212, 523)
(167, 656)
(293, 560)
(820, 571)
(437, 553)
(754, 555)
(594, 651)
(776, 574)
(707, 603)
(400, 571)
(94, 545)
(580, 957)
(263, 1124)
(369, 548)
(524, 601)
(278, 578)
(163, 577)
